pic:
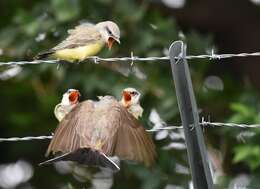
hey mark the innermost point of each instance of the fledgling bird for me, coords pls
(83, 41)
(94, 130)
(69, 100)
(131, 100)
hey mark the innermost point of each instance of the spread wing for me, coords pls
(105, 126)
(79, 36)
(68, 136)
(130, 140)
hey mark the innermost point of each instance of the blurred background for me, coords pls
(226, 90)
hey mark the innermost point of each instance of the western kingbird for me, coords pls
(97, 129)
(130, 99)
(83, 41)
(68, 102)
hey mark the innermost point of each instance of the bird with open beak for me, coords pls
(95, 130)
(130, 99)
(84, 41)
(69, 100)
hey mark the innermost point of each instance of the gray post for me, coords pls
(196, 148)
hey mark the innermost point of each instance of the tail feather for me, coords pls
(43, 55)
(85, 156)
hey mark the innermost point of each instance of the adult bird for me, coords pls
(94, 130)
(69, 100)
(83, 41)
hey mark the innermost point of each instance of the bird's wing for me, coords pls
(69, 135)
(79, 36)
(128, 139)
(105, 126)
(80, 27)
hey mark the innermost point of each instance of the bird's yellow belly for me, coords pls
(78, 53)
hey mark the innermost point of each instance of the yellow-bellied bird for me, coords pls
(94, 130)
(69, 100)
(83, 41)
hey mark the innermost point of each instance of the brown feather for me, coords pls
(81, 35)
(106, 126)
(66, 136)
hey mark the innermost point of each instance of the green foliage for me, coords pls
(250, 154)
(28, 99)
(66, 10)
(247, 110)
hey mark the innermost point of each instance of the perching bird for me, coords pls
(92, 131)
(83, 41)
(68, 102)
(130, 99)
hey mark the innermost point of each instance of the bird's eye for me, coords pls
(133, 93)
(109, 31)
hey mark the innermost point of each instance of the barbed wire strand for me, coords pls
(203, 124)
(217, 124)
(14, 139)
(133, 58)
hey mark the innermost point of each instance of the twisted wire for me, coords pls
(133, 58)
(203, 124)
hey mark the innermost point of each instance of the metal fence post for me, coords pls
(196, 148)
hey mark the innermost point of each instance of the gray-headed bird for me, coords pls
(95, 130)
(130, 99)
(69, 100)
(83, 41)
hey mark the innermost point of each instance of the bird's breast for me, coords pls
(79, 53)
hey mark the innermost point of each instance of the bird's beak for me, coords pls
(79, 94)
(126, 98)
(110, 42)
(73, 97)
(117, 40)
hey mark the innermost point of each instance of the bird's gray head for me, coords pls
(130, 96)
(109, 31)
(70, 97)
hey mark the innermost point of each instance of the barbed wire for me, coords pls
(14, 139)
(203, 124)
(217, 124)
(20, 63)
(133, 58)
(164, 128)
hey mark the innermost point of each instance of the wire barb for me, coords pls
(132, 58)
(214, 56)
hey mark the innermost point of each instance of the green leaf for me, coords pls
(66, 10)
(248, 154)
(242, 109)
(242, 152)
